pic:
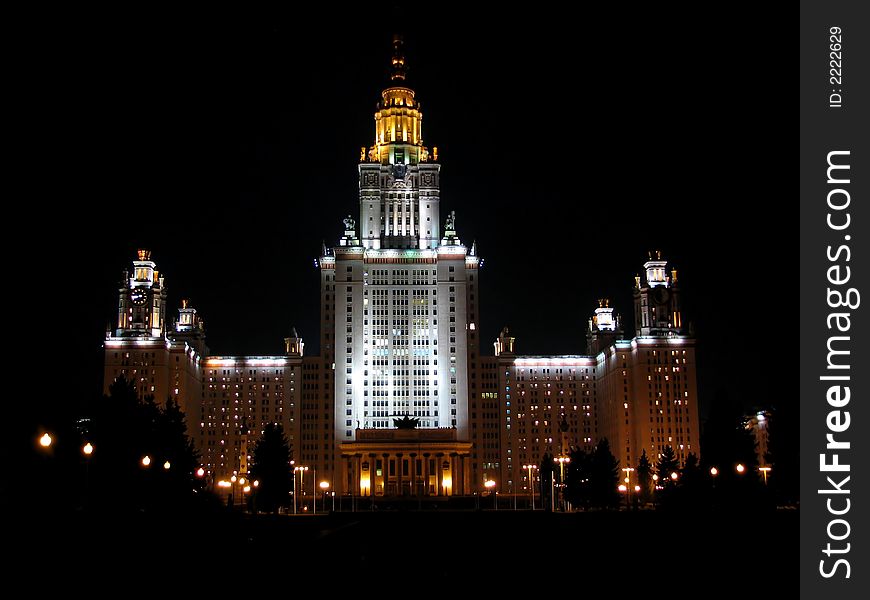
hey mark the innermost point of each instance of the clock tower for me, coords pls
(141, 300)
(657, 299)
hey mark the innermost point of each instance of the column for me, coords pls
(386, 218)
(426, 473)
(395, 217)
(399, 474)
(440, 473)
(411, 233)
(413, 472)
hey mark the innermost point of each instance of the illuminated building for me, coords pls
(639, 393)
(399, 338)
(398, 293)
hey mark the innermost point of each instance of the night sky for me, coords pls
(228, 145)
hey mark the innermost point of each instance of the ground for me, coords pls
(611, 552)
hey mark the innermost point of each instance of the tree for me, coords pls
(577, 478)
(604, 476)
(271, 467)
(123, 430)
(176, 447)
(546, 471)
(644, 477)
(666, 466)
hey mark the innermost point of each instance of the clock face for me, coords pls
(138, 297)
(662, 295)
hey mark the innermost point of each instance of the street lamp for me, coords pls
(146, 461)
(764, 472)
(166, 466)
(45, 440)
(531, 482)
(88, 449)
(740, 468)
(563, 460)
(489, 484)
(299, 469)
(628, 471)
(324, 485)
(714, 471)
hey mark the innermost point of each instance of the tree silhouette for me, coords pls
(271, 468)
(123, 430)
(667, 464)
(644, 477)
(604, 476)
(546, 470)
(577, 479)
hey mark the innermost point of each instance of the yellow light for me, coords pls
(740, 468)
(622, 487)
(246, 489)
(233, 478)
(242, 481)
(224, 484)
(674, 475)
(45, 440)
(324, 485)
(166, 465)
(637, 488)
(655, 477)
(88, 449)
(256, 483)
(200, 472)
(489, 484)
(146, 460)
(625, 480)
(714, 471)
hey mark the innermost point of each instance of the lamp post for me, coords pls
(87, 450)
(628, 471)
(489, 484)
(563, 460)
(324, 485)
(45, 441)
(531, 482)
(301, 470)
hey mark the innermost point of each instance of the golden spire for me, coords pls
(397, 65)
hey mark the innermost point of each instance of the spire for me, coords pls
(397, 66)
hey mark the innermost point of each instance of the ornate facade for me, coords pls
(399, 338)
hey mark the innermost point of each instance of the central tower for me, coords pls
(398, 290)
(398, 177)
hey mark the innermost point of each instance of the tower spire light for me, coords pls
(397, 66)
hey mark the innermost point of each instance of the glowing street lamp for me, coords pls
(88, 449)
(166, 465)
(298, 469)
(531, 482)
(740, 468)
(146, 461)
(674, 476)
(200, 472)
(45, 441)
(489, 484)
(714, 471)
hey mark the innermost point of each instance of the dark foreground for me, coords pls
(685, 555)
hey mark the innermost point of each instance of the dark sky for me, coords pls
(570, 146)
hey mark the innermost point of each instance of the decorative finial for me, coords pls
(349, 224)
(450, 221)
(184, 303)
(397, 66)
(144, 254)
